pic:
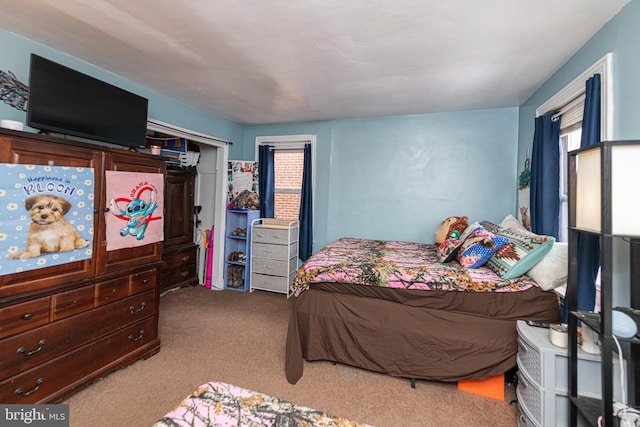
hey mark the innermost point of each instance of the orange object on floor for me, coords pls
(492, 387)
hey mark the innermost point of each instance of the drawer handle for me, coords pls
(186, 258)
(132, 309)
(139, 337)
(145, 281)
(523, 381)
(523, 346)
(24, 351)
(21, 392)
(27, 316)
(185, 273)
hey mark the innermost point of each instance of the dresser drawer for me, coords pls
(271, 283)
(29, 349)
(68, 303)
(176, 276)
(43, 382)
(266, 250)
(24, 316)
(176, 259)
(139, 282)
(274, 267)
(273, 235)
(112, 290)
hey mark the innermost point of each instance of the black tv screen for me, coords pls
(72, 103)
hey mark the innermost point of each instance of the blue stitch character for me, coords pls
(137, 212)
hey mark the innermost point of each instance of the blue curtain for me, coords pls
(544, 201)
(266, 180)
(305, 240)
(589, 244)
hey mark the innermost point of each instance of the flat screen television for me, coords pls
(66, 101)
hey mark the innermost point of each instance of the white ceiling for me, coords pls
(297, 60)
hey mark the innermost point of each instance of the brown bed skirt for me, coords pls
(444, 337)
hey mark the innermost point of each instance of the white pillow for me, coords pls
(551, 271)
(510, 221)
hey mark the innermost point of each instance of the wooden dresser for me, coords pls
(62, 327)
(179, 254)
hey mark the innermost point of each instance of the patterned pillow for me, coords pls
(479, 247)
(524, 250)
(448, 250)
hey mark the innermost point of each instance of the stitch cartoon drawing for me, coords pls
(137, 213)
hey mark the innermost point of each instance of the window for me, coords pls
(570, 103)
(288, 166)
(569, 140)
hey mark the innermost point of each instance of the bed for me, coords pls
(393, 307)
(218, 404)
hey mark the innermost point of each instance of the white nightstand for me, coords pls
(274, 254)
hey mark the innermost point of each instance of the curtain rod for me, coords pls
(569, 106)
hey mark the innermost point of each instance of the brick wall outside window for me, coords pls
(288, 182)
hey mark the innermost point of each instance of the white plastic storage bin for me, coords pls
(543, 376)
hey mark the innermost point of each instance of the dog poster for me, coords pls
(136, 206)
(46, 216)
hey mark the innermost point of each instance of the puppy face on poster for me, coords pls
(46, 216)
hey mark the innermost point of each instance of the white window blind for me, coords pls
(572, 113)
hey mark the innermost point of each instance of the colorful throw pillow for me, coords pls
(479, 247)
(524, 250)
(448, 250)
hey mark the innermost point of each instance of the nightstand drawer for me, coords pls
(271, 283)
(274, 267)
(274, 235)
(265, 250)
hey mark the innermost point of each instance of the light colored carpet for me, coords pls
(239, 338)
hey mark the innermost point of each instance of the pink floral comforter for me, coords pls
(395, 264)
(217, 404)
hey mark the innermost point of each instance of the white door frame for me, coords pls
(221, 188)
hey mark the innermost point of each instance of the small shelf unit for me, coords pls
(237, 249)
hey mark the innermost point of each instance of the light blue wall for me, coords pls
(399, 177)
(621, 36)
(15, 57)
